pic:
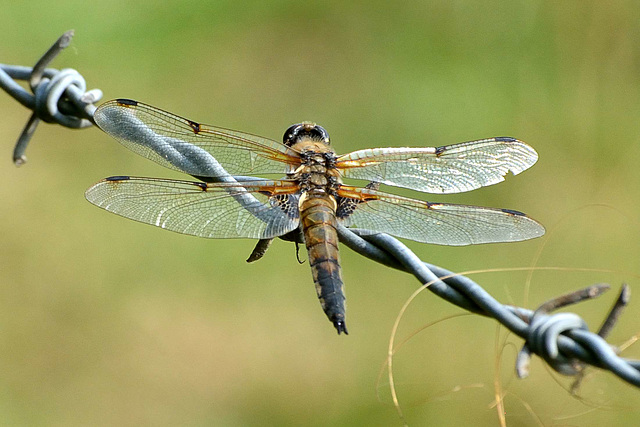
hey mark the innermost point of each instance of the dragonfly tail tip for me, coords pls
(340, 326)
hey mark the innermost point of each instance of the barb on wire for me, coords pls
(57, 96)
(606, 328)
(562, 339)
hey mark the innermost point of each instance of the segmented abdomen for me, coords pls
(318, 219)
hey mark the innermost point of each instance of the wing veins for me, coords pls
(447, 169)
(187, 146)
(205, 210)
(438, 223)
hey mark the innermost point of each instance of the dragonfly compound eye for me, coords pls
(305, 130)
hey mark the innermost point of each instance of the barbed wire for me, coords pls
(57, 96)
(562, 340)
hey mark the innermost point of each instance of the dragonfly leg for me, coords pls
(260, 249)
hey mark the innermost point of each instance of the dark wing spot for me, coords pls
(505, 139)
(347, 205)
(373, 185)
(118, 178)
(194, 125)
(127, 102)
(287, 203)
(512, 212)
(202, 185)
(440, 150)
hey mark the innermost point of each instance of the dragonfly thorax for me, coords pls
(317, 172)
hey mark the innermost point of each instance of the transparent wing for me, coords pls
(449, 169)
(190, 147)
(215, 210)
(437, 223)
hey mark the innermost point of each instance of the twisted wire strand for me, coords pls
(562, 340)
(57, 96)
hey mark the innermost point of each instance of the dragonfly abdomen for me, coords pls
(318, 219)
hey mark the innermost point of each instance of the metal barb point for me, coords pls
(573, 298)
(615, 312)
(566, 335)
(57, 96)
(38, 70)
(606, 328)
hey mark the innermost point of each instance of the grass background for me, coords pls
(106, 321)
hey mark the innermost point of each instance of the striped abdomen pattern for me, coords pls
(318, 219)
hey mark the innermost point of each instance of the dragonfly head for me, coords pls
(308, 130)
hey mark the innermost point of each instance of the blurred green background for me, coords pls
(104, 321)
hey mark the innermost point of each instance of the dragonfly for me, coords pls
(253, 187)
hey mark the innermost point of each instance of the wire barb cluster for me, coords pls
(562, 340)
(58, 96)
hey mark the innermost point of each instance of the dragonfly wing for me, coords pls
(448, 169)
(437, 223)
(215, 210)
(188, 146)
